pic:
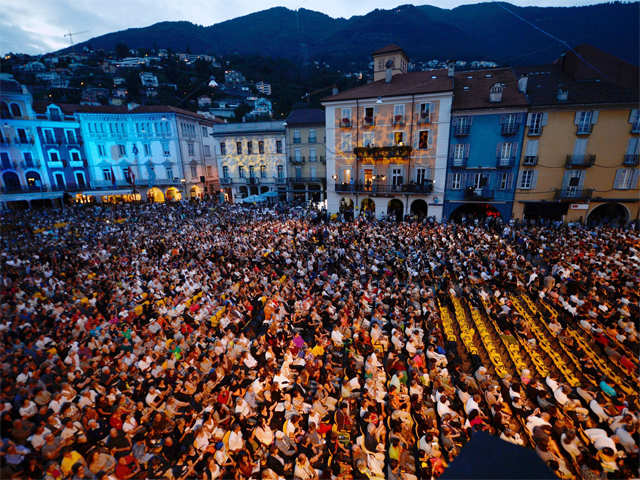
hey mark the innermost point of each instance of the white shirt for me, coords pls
(235, 441)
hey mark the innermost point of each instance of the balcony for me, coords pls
(225, 181)
(580, 161)
(69, 187)
(8, 165)
(345, 123)
(369, 121)
(297, 140)
(424, 118)
(398, 120)
(296, 160)
(23, 140)
(383, 152)
(461, 130)
(253, 180)
(280, 180)
(584, 129)
(382, 190)
(509, 129)
(481, 193)
(458, 162)
(306, 179)
(505, 162)
(534, 131)
(631, 160)
(635, 127)
(530, 160)
(22, 189)
(574, 194)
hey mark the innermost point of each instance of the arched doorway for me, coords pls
(368, 207)
(196, 192)
(315, 193)
(395, 209)
(264, 189)
(474, 211)
(11, 181)
(346, 208)
(155, 195)
(173, 194)
(419, 208)
(244, 193)
(608, 214)
(33, 180)
(253, 190)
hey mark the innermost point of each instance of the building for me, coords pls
(233, 77)
(487, 127)
(24, 176)
(148, 80)
(264, 88)
(251, 159)
(132, 154)
(306, 154)
(386, 141)
(261, 109)
(580, 157)
(62, 150)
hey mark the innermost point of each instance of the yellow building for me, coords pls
(580, 155)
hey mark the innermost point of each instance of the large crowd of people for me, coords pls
(204, 341)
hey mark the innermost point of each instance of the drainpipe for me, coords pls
(413, 99)
(357, 176)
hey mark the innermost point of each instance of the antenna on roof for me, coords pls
(71, 34)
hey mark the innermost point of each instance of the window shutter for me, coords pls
(469, 120)
(545, 118)
(529, 119)
(580, 147)
(430, 112)
(498, 150)
(581, 180)
(429, 139)
(565, 180)
(617, 182)
(594, 117)
(519, 181)
(532, 148)
(534, 179)
(632, 147)
(577, 118)
(635, 178)
(467, 147)
(429, 173)
(633, 115)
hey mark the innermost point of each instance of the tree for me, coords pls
(122, 50)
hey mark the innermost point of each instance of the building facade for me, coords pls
(306, 155)
(23, 172)
(387, 141)
(487, 126)
(132, 155)
(251, 159)
(580, 158)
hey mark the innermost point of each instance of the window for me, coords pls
(572, 181)
(626, 178)
(15, 110)
(424, 139)
(456, 181)
(634, 120)
(225, 171)
(106, 173)
(170, 173)
(147, 149)
(278, 146)
(223, 148)
(6, 163)
(241, 171)
(462, 125)
(280, 171)
(252, 171)
(526, 179)
(54, 113)
(101, 151)
(53, 156)
(421, 175)
(296, 136)
(531, 154)
(397, 176)
(312, 155)
(75, 156)
(480, 180)
(194, 171)
(205, 132)
(209, 171)
(505, 151)
(190, 149)
(535, 123)
(460, 151)
(585, 120)
(579, 150)
(260, 147)
(346, 175)
(59, 180)
(239, 148)
(80, 179)
(22, 135)
(368, 115)
(207, 150)
(49, 137)
(297, 155)
(367, 139)
(312, 136)
(298, 172)
(425, 112)
(122, 150)
(398, 138)
(71, 136)
(263, 171)
(398, 113)
(126, 173)
(504, 181)
(346, 142)
(28, 159)
(166, 151)
(346, 117)
(249, 147)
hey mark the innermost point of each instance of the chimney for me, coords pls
(522, 84)
(563, 94)
(334, 91)
(451, 68)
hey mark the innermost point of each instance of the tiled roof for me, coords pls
(143, 109)
(67, 108)
(274, 126)
(306, 116)
(392, 47)
(433, 81)
(545, 80)
(471, 89)
(10, 86)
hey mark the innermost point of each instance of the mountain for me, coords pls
(497, 31)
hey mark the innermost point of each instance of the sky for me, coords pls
(39, 26)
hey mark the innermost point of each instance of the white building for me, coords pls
(263, 87)
(251, 159)
(148, 80)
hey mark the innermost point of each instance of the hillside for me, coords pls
(480, 31)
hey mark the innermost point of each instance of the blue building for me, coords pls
(487, 129)
(62, 147)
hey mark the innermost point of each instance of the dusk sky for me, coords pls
(38, 26)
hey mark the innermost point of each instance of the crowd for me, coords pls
(213, 341)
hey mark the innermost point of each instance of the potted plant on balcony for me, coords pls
(346, 122)
(397, 119)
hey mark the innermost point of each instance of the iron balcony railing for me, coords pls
(424, 118)
(573, 194)
(508, 129)
(376, 189)
(631, 160)
(461, 130)
(459, 162)
(530, 160)
(306, 179)
(482, 193)
(345, 123)
(534, 131)
(584, 129)
(580, 161)
(369, 121)
(505, 162)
